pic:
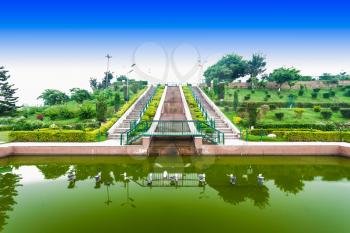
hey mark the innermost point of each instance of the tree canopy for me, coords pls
(227, 69)
(7, 91)
(284, 75)
(79, 95)
(52, 97)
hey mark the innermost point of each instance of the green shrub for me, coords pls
(317, 108)
(326, 114)
(299, 112)
(347, 93)
(319, 136)
(48, 136)
(279, 115)
(345, 112)
(335, 108)
(332, 93)
(326, 95)
(325, 127)
(247, 97)
(87, 111)
(314, 95)
(273, 106)
(316, 90)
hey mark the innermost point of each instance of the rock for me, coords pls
(271, 135)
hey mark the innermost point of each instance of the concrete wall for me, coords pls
(279, 149)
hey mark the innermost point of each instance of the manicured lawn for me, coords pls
(259, 96)
(308, 117)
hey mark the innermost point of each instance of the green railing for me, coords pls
(173, 128)
(204, 112)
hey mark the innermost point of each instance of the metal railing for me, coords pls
(173, 128)
(202, 108)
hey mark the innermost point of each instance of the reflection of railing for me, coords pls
(173, 128)
(158, 180)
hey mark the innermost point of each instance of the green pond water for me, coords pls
(299, 194)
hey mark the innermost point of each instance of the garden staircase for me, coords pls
(134, 115)
(220, 124)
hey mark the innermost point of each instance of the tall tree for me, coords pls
(93, 84)
(52, 97)
(227, 69)
(256, 66)
(101, 108)
(79, 95)
(7, 91)
(284, 75)
(117, 101)
(235, 101)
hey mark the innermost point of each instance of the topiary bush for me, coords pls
(326, 95)
(247, 97)
(347, 93)
(317, 108)
(335, 108)
(345, 112)
(279, 115)
(314, 95)
(316, 90)
(326, 114)
(299, 112)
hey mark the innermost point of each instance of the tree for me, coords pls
(93, 84)
(256, 66)
(117, 101)
(7, 91)
(79, 95)
(283, 75)
(101, 108)
(235, 101)
(227, 69)
(52, 97)
(252, 110)
(106, 81)
(221, 90)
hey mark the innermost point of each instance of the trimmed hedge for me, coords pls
(325, 127)
(314, 136)
(284, 104)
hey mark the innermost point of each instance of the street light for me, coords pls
(127, 81)
(107, 72)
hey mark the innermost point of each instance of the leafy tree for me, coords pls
(227, 69)
(117, 101)
(7, 91)
(221, 90)
(283, 75)
(52, 97)
(235, 101)
(122, 78)
(101, 108)
(93, 84)
(106, 81)
(256, 66)
(79, 95)
(252, 110)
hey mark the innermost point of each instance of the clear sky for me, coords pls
(61, 44)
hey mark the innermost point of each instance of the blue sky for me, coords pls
(109, 14)
(62, 44)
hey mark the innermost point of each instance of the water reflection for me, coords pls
(287, 178)
(108, 174)
(8, 192)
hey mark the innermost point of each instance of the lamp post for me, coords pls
(107, 72)
(127, 81)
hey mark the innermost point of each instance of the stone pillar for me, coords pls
(198, 143)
